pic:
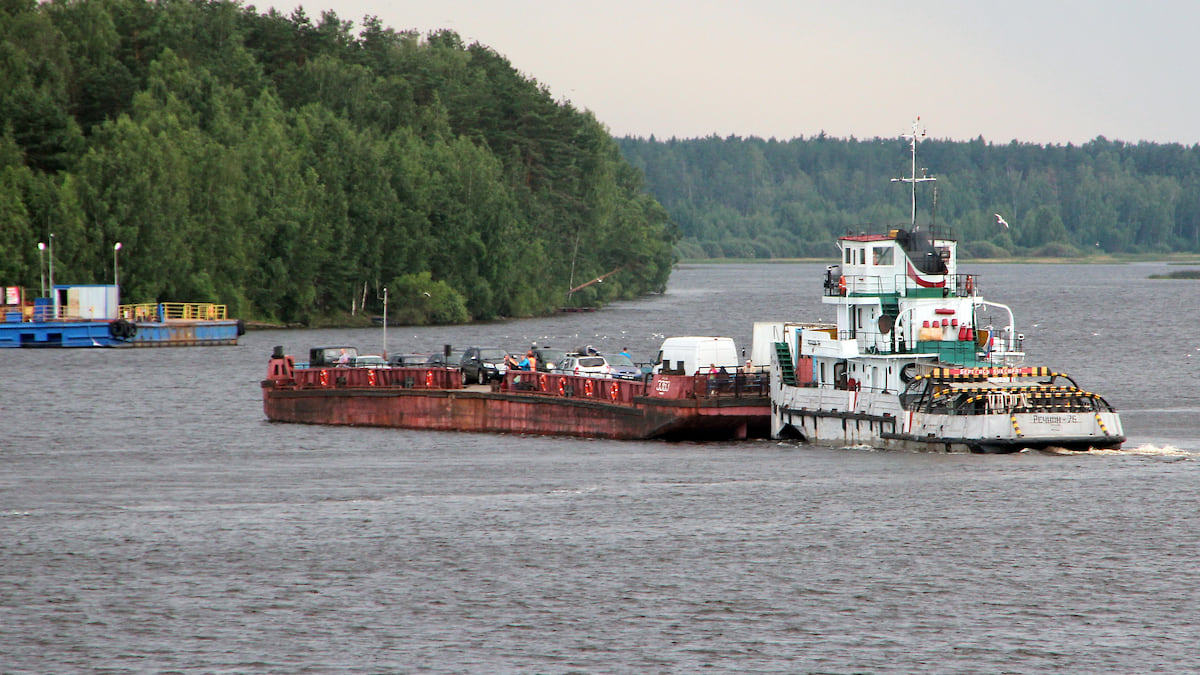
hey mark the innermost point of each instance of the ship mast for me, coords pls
(913, 180)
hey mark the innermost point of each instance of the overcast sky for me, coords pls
(1054, 71)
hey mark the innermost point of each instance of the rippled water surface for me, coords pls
(152, 520)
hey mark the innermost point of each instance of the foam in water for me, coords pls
(1147, 449)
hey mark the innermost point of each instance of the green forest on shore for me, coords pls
(753, 198)
(293, 168)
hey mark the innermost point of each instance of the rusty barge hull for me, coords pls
(486, 411)
(666, 407)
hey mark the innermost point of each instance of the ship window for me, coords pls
(848, 254)
(883, 255)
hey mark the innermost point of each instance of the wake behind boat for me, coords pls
(909, 366)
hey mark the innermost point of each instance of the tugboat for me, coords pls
(908, 365)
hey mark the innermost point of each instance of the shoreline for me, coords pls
(1169, 258)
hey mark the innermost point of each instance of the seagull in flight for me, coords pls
(1000, 220)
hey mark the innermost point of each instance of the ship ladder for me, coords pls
(787, 370)
(891, 309)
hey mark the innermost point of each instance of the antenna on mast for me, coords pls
(917, 132)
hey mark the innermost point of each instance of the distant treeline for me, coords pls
(754, 198)
(292, 168)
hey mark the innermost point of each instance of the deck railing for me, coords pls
(952, 285)
(174, 311)
(735, 385)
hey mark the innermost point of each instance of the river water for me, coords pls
(151, 520)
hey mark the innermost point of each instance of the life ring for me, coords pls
(542, 382)
(587, 388)
(324, 378)
(429, 378)
(562, 387)
(371, 377)
(970, 285)
(841, 285)
(614, 391)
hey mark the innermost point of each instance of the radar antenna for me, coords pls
(917, 132)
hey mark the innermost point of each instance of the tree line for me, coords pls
(755, 198)
(293, 168)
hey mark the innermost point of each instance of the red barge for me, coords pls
(676, 407)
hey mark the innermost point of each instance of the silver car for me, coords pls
(587, 366)
(622, 367)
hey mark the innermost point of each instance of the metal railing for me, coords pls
(174, 311)
(956, 285)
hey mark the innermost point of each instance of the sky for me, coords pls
(1049, 72)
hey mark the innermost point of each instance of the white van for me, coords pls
(692, 354)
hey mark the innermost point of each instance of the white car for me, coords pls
(587, 366)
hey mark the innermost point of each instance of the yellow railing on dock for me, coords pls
(168, 311)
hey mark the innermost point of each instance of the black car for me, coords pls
(549, 360)
(332, 357)
(483, 364)
(441, 360)
(406, 360)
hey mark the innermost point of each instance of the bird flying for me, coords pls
(1000, 220)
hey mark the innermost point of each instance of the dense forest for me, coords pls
(755, 198)
(292, 169)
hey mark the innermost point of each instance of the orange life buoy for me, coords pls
(614, 391)
(542, 382)
(324, 378)
(841, 285)
(562, 387)
(970, 284)
(587, 388)
(429, 378)
(371, 377)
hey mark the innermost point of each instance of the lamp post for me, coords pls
(42, 264)
(116, 278)
(53, 293)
